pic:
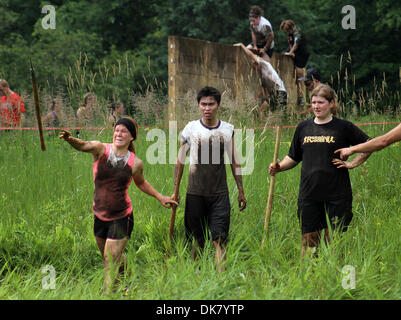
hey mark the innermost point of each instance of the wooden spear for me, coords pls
(172, 220)
(170, 233)
(271, 188)
(37, 107)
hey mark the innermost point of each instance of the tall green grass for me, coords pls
(46, 219)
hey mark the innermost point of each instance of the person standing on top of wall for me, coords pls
(262, 34)
(298, 49)
(311, 80)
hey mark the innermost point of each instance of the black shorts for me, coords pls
(207, 211)
(314, 214)
(301, 59)
(115, 229)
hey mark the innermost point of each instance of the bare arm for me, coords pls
(373, 145)
(254, 40)
(355, 162)
(292, 49)
(96, 148)
(146, 187)
(269, 38)
(178, 169)
(286, 164)
(248, 52)
(236, 170)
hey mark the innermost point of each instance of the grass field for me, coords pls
(46, 220)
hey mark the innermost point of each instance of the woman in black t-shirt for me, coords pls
(325, 185)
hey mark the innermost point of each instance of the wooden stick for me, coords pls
(172, 220)
(37, 108)
(170, 233)
(271, 188)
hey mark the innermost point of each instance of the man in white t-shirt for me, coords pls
(262, 34)
(272, 84)
(207, 204)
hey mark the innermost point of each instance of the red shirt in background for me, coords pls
(10, 110)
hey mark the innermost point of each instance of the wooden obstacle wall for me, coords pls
(193, 64)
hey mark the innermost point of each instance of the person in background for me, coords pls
(51, 119)
(262, 34)
(298, 49)
(116, 112)
(12, 107)
(272, 85)
(312, 80)
(86, 112)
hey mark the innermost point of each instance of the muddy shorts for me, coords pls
(203, 213)
(115, 229)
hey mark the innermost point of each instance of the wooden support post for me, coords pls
(172, 44)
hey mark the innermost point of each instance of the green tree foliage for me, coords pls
(131, 36)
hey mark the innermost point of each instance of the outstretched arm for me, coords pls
(248, 52)
(373, 145)
(355, 162)
(146, 187)
(95, 147)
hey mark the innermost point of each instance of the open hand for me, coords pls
(342, 164)
(344, 153)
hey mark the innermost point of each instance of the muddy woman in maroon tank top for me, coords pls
(114, 167)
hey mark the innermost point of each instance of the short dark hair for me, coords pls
(209, 92)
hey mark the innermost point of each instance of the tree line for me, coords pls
(117, 47)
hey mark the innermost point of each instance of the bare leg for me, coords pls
(220, 254)
(100, 244)
(197, 247)
(310, 240)
(113, 250)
